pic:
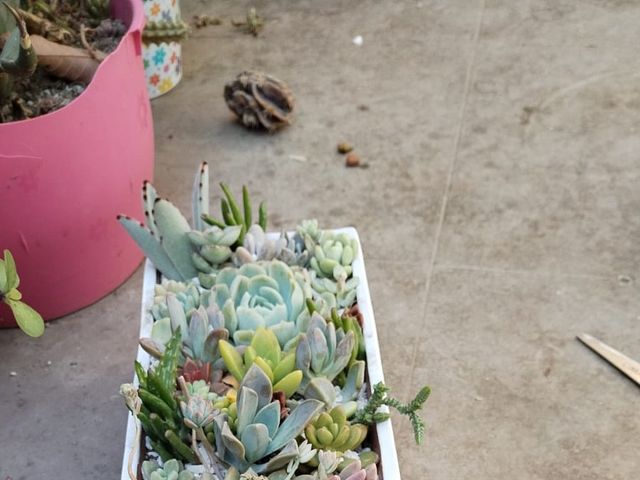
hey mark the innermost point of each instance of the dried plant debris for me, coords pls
(253, 23)
(260, 100)
(69, 39)
(352, 160)
(344, 147)
(203, 20)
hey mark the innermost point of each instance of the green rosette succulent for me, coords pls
(202, 328)
(257, 246)
(213, 247)
(332, 431)
(260, 295)
(322, 354)
(170, 470)
(332, 255)
(187, 293)
(258, 440)
(264, 351)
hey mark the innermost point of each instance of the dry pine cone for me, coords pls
(259, 100)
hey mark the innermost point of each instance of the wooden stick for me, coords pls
(629, 367)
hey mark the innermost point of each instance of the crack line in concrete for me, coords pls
(443, 207)
(523, 271)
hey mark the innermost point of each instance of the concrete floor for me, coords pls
(499, 218)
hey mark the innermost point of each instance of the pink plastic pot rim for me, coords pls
(136, 25)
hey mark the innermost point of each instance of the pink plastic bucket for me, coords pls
(66, 175)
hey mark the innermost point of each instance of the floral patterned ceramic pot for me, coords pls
(162, 51)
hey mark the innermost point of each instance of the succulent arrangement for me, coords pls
(258, 354)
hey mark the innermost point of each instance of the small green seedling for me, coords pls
(27, 318)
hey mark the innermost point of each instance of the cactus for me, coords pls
(17, 57)
(260, 295)
(322, 353)
(264, 351)
(258, 434)
(29, 321)
(332, 431)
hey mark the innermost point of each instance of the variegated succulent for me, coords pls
(322, 354)
(258, 435)
(264, 351)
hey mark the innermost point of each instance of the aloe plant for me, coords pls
(259, 436)
(18, 57)
(29, 321)
(160, 416)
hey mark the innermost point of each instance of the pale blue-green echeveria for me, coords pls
(258, 246)
(332, 255)
(213, 247)
(256, 295)
(258, 435)
(322, 353)
(201, 330)
(198, 410)
(188, 294)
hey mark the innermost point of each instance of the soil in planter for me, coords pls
(43, 92)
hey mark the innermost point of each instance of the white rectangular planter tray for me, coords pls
(389, 467)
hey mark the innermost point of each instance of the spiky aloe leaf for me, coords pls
(151, 246)
(168, 365)
(174, 229)
(200, 196)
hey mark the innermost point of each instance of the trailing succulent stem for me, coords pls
(370, 415)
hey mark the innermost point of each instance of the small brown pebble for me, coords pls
(352, 160)
(344, 147)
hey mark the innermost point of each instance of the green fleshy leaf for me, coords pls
(29, 321)
(12, 279)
